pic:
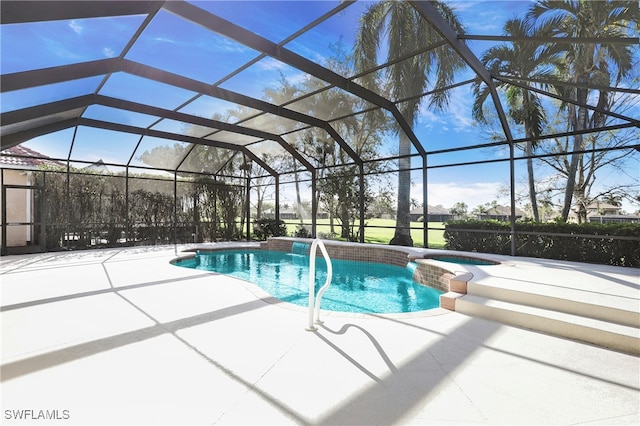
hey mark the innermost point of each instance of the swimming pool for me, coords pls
(360, 287)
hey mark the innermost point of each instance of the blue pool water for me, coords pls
(361, 287)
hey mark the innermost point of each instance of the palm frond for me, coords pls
(365, 56)
(481, 93)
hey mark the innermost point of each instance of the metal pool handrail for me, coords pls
(314, 302)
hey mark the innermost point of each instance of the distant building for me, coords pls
(98, 168)
(608, 213)
(501, 213)
(434, 214)
(286, 214)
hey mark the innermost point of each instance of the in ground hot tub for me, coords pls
(443, 271)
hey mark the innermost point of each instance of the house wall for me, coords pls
(18, 207)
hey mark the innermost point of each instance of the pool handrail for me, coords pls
(314, 302)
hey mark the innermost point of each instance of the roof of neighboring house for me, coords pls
(438, 210)
(98, 167)
(432, 210)
(500, 210)
(22, 157)
(603, 206)
(615, 216)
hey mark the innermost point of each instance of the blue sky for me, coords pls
(178, 46)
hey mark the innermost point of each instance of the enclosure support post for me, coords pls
(512, 193)
(248, 208)
(314, 203)
(215, 208)
(43, 213)
(127, 223)
(67, 206)
(3, 248)
(175, 208)
(361, 181)
(425, 203)
(277, 210)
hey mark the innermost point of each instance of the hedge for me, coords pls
(587, 242)
(264, 228)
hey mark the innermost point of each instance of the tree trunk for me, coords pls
(532, 183)
(576, 157)
(529, 133)
(402, 234)
(332, 228)
(345, 219)
(298, 199)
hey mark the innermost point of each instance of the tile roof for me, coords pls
(21, 156)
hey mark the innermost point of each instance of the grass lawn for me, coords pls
(375, 231)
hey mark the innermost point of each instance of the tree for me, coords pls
(382, 204)
(459, 210)
(486, 208)
(339, 188)
(53, 180)
(261, 185)
(519, 59)
(340, 191)
(405, 32)
(208, 196)
(480, 210)
(614, 200)
(606, 152)
(587, 63)
(283, 93)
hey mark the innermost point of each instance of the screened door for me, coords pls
(22, 213)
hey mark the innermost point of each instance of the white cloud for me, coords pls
(457, 116)
(269, 64)
(108, 52)
(297, 78)
(461, 5)
(427, 118)
(445, 194)
(473, 194)
(164, 40)
(459, 111)
(76, 27)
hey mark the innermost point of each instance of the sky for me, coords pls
(175, 45)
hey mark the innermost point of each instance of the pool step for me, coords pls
(583, 303)
(619, 337)
(590, 316)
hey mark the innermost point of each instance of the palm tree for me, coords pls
(519, 59)
(602, 63)
(405, 31)
(613, 199)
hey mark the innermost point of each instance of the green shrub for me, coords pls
(264, 228)
(302, 232)
(587, 242)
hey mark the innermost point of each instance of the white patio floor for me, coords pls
(121, 336)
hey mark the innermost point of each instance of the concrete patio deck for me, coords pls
(121, 336)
